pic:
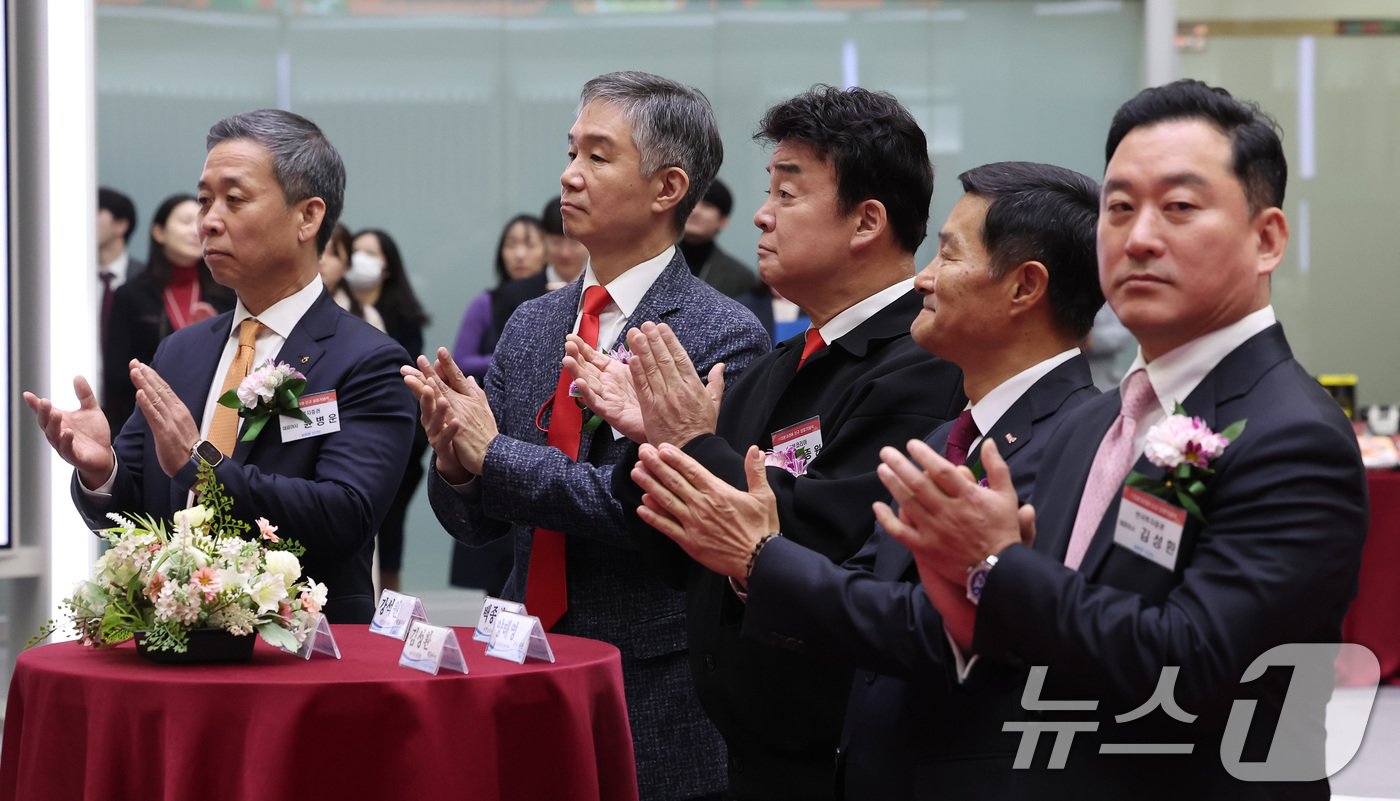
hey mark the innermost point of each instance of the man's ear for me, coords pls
(671, 185)
(311, 212)
(1029, 285)
(871, 221)
(1271, 229)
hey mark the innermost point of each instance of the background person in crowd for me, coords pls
(847, 206)
(116, 220)
(1012, 290)
(1190, 232)
(641, 153)
(567, 259)
(1109, 347)
(521, 256)
(404, 320)
(520, 253)
(711, 264)
(335, 262)
(175, 290)
(783, 318)
(271, 189)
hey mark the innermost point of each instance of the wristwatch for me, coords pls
(206, 452)
(977, 578)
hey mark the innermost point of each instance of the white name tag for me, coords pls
(324, 414)
(805, 438)
(432, 648)
(489, 611)
(1149, 527)
(319, 641)
(517, 636)
(394, 614)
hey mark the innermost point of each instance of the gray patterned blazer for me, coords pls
(526, 484)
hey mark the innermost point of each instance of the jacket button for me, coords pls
(709, 661)
(870, 677)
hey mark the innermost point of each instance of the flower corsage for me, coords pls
(1185, 446)
(270, 390)
(790, 458)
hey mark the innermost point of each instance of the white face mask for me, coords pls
(365, 271)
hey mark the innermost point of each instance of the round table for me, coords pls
(107, 724)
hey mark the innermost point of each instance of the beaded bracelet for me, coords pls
(758, 549)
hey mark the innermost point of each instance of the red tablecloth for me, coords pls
(1374, 617)
(84, 724)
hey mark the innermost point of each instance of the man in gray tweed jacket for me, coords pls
(641, 154)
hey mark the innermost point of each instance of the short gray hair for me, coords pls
(672, 126)
(304, 161)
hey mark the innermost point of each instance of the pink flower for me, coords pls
(1180, 439)
(787, 458)
(207, 582)
(157, 584)
(268, 531)
(284, 609)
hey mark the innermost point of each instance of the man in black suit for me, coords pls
(1161, 640)
(847, 205)
(116, 220)
(709, 263)
(1012, 290)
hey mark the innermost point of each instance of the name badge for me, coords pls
(432, 648)
(1149, 527)
(804, 438)
(517, 636)
(486, 624)
(318, 641)
(395, 613)
(324, 414)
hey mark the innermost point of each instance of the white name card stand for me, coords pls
(489, 611)
(395, 613)
(319, 641)
(517, 636)
(432, 648)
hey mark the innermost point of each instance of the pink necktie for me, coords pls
(960, 438)
(1112, 462)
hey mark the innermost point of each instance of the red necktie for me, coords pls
(546, 589)
(814, 344)
(960, 438)
(1112, 462)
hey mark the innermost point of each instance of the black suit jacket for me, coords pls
(727, 274)
(1275, 563)
(135, 327)
(907, 722)
(780, 711)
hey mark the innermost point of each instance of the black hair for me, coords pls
(877, 149)
(502, 274)
(119, 206)
(1044, 213)
(718, 195)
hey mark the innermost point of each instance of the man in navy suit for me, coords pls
(641, 153)
(1160, 641)
(1011, 292)
(271, 191)
(847, 205)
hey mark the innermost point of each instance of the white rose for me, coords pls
(284, 564)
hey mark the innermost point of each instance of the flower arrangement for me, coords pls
(270, 390)
(203, 574)
(790, 458)
(1185, 446)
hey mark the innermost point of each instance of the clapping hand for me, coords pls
(81, 437)
(676, 406)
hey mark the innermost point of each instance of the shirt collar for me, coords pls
(627, 289)
(1177, 373)
(847, 321)
(282, 316)
(989, 410)
(117, 267)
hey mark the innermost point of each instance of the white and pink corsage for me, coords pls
(1185, 446)
(792, 459)
(268, 391)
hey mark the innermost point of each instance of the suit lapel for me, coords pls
(303, 351)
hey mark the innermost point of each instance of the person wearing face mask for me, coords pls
(334, 263)
(377, 278)
(175, 290)
(520, 254)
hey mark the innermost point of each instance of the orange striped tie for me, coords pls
(223, 430)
